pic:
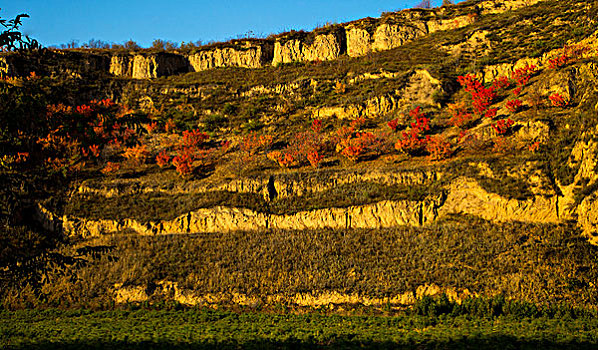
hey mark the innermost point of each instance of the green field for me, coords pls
(477, 323)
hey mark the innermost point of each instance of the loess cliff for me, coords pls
(451, 150)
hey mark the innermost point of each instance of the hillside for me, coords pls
(426, 152)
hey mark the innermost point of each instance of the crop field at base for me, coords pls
(436, 326)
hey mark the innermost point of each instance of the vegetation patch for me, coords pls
(460, 253)
(432, 324)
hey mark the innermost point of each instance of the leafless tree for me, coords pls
(424, 4)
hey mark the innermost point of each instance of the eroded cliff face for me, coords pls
(52, 63)
(148, 66)
(463, 195)
(355, 39)
(390, 36)
(246, 54)
(171, 290)
(324, 47)
(224, 219)
(6, 67)
(420, 88)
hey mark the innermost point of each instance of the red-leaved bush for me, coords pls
(253, 144)
(393, 124)
(557, 100)
(438, 148)
(559, 61)
(534, 147)
(163, 159)
(501, 83)
(522, 75)
(502, 126)
(315, 158)
(136, 155)
(481, 96)
(412, 141)
(183, 164)
(514, 105)
(460, 116)
(285, 159)
(316, 126)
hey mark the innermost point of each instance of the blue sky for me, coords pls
(56, 22)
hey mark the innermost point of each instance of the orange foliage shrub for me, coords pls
(284, 159)
(152, 127)
(438, 148)
(136, 155)
(460, 114)
(183, 164)
(163, 159)
(558, 101)
(169, 126)
(340, 88)
(253, 144)
(111, 168)
(534, 147)
(514, 105)
(315, 159)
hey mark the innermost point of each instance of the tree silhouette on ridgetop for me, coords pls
(425, 4)
(12, 39)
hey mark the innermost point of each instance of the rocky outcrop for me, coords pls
(279, 89)
(396, 29)
(440, 24)
(52, 63)
(146, 66)
(375, 76)
(421, 88)
(390, 36)
(463, 196)
(385, 36)
(584, 158)
(7, 68)
(590, 49)
(312, 47)
(500, 6)
(224, 219)
(372, 108)
(587, 214)
(466, 196)
(359, 41)
(247, 54)
(285, 187)
(172, 291)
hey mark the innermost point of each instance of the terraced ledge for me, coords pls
(270, 186)
(225, 219)
(463, 196)
(134, 294)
